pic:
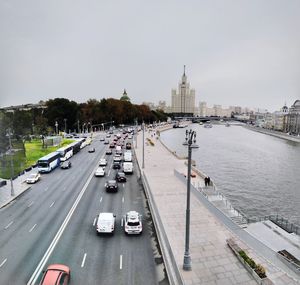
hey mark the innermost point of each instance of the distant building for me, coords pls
(183, 101)
(292, 119)
(125, 96)
(216, 110)
(25, 107)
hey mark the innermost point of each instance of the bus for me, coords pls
(49, 162)
(76, 146)
(65, 152)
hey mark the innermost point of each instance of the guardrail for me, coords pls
(172, 269)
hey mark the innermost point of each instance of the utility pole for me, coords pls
(143, 125)
(12, 191)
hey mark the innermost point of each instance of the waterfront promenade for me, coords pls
(212, 260)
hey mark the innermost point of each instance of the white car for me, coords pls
(106, 223)
(33, 178)
(103, 162)
(100, 172)
(117, 158)
(133, 223)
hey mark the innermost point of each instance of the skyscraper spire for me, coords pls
(184, 70)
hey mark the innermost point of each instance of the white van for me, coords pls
(127, 167)
(127, 156)
(106, 223)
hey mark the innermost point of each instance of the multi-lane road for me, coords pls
(54, 222)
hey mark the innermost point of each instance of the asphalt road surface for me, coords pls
(54, 222)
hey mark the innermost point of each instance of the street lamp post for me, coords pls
(143, 126)
(78, 126)
(65, 125)
(190, 141)
(56, 126)
(12, 191)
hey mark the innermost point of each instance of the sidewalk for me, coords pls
(212, 260)
(19, 186)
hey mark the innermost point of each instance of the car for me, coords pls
(128, 145)
(66, 164)
(56, 274)
(102, 139)
(108, 152)
(133, 223)
(111, 186)
(116, 165)
(33, 178)
(120, 176)
(103, 162)
(108, 135)
(106, 142)
(100, 172)
(117, 158)
(92, 149)
(129, 136)
(106, 223)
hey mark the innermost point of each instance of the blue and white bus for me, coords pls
(49, 162)
(65, 152)
(76, 146)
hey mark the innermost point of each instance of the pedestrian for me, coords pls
(205, 181)
(208, 180)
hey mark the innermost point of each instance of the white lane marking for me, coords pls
(121, 257)
(58, 235)
(100, 199)
(123, 185)
(30, 204)
(46, 189)
(32, 228)
(94, 223)
(3, 262)
(122, 222)
(9, 225)
(52, 204)
(123, 199)
(83, 260)
(108, 172)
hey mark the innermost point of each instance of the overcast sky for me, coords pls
(244, 53)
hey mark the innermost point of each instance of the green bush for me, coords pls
(258, 268)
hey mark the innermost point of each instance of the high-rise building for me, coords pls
(183, 101)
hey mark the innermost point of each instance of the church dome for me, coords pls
(125, 96)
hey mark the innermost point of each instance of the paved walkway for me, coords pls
(19, 186)
(212, 260)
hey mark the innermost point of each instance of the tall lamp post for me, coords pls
(143, 126)
(56, 127)
(65, 125)
(12, 191)
(190, 141)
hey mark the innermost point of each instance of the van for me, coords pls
(127, 156)
(127, 167)
(106, 223)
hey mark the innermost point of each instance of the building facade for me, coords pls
(292, 119)
(183, 100)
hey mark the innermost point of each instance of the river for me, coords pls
(259, 174)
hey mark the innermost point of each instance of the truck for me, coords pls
(127, 156)
(128, 167)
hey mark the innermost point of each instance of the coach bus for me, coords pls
(76, 146)
(49, 162)
(65, 152)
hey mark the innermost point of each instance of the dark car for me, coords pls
(120, 176)
(66, 164)
(56, 274)
(116, 165)
(128, 145)
(106, 142)
(92, 149)
(111, 186)
(112, 145)
(109, 151)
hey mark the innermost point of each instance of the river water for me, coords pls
(259, 174)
